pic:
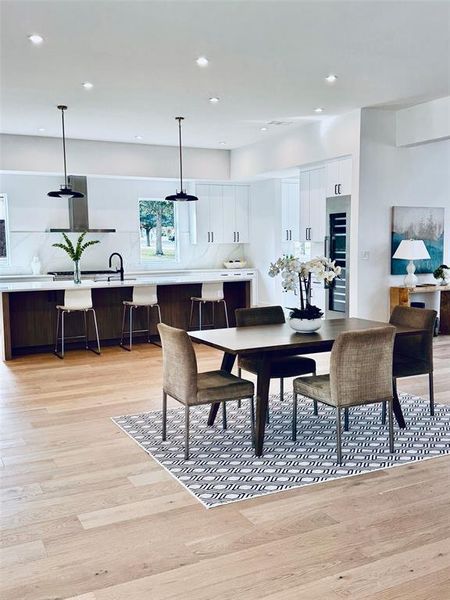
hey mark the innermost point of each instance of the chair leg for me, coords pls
(383, 413)
(346, 420)
(164, 416)
(281, 388)
(338, 436)
(239, 374)
(294, 418)
(431, 388)
(224, 415)
(391, 427)
(315, 408)
(186, 432)
(226, 313)
(96, 332)
(252, 418)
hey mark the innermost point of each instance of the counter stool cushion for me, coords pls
(211, 292)
(281, 366)
(76, 300)
(216, 386)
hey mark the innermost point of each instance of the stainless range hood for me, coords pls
(79, 209)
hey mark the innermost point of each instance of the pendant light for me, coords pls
(65, 191)
(181, 196)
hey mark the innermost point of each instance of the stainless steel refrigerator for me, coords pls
(337, 247)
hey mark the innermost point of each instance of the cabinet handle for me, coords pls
(238, 236)
(209, 237)
(310, 233)
(335, 189)
(290, 235)
(339, 188)
(234, 236)
(212, 236)
(287, 235)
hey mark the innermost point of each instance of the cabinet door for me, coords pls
(229, 214)
(285, 210)
(294, 213)
(332, 177)
(216, 224)
(242, 213)
(317, 205)
(304, 219)
(345, 176)
(200, 223)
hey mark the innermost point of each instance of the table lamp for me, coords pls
(411, 250)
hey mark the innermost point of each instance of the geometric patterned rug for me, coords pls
(223, 468)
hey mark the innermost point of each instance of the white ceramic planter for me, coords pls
(305, 325)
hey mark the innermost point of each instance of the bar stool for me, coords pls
(211, 292)
(144, 296)
(76, 301)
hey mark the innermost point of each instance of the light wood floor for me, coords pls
(86, 514)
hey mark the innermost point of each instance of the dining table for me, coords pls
(265, 342)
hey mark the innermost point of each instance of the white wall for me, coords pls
(425, 122)
(113, 203)
(85, 157)
(393, 176)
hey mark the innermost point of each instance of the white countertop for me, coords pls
(211, 276)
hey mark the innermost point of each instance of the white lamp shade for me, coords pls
(411, 250)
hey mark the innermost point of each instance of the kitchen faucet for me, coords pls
(121, 265)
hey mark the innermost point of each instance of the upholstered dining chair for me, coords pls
(360, 373)
(413, 354)
(183, 382)
(282, 366)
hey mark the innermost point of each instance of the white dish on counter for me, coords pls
(232, 264)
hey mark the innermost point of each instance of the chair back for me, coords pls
(78, 299)
(179, 364)
(361, 366)
(145, 295)
(262, 315)
(420, 346)
(212, 291)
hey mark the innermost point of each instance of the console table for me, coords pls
(402, 296)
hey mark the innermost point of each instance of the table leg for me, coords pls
(262, 399)
(398, 409)
(227, 365)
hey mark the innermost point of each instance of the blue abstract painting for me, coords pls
(418, 223)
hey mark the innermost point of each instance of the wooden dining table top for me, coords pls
(267, 338)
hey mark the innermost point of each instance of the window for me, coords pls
(158, 230)
(3, 230)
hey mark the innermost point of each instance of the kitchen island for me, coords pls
(28, 309)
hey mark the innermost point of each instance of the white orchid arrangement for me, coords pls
(296, 277)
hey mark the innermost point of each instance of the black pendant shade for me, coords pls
(65, 191)
(181, 196)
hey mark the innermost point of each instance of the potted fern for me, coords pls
(75, 252)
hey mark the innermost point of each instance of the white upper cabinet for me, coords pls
(221, 214)
(290, 211)
(339, 177)
(312, 205)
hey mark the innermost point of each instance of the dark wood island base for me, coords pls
(29, 317)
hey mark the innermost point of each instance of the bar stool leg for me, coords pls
(213, 315)
(200, 316)
(86, 338)
(191, 317)
(124, 314)
(62, 333)
(57, 332)
(159, 313)
(226, 313)
(148, 324)
(96, 332)
(131, 326)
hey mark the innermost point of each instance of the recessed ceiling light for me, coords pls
(331, 78)
(36, 39)
(214, 100)
(138, 137)
(318, 109)
(263, 129)
(202, 61)
(87, 85)
(41, 129)
(222, 143)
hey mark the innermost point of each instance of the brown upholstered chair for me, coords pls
(184, 383)
(283, 365)
(413, 354)
(360, 373)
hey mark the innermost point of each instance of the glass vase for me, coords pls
(76, 271)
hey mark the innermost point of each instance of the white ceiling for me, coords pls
(268, 60)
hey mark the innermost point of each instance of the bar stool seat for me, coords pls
(144, 296)
(211, 292)
(76, 301)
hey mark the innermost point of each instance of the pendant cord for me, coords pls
(180, 151)
(64, 147)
